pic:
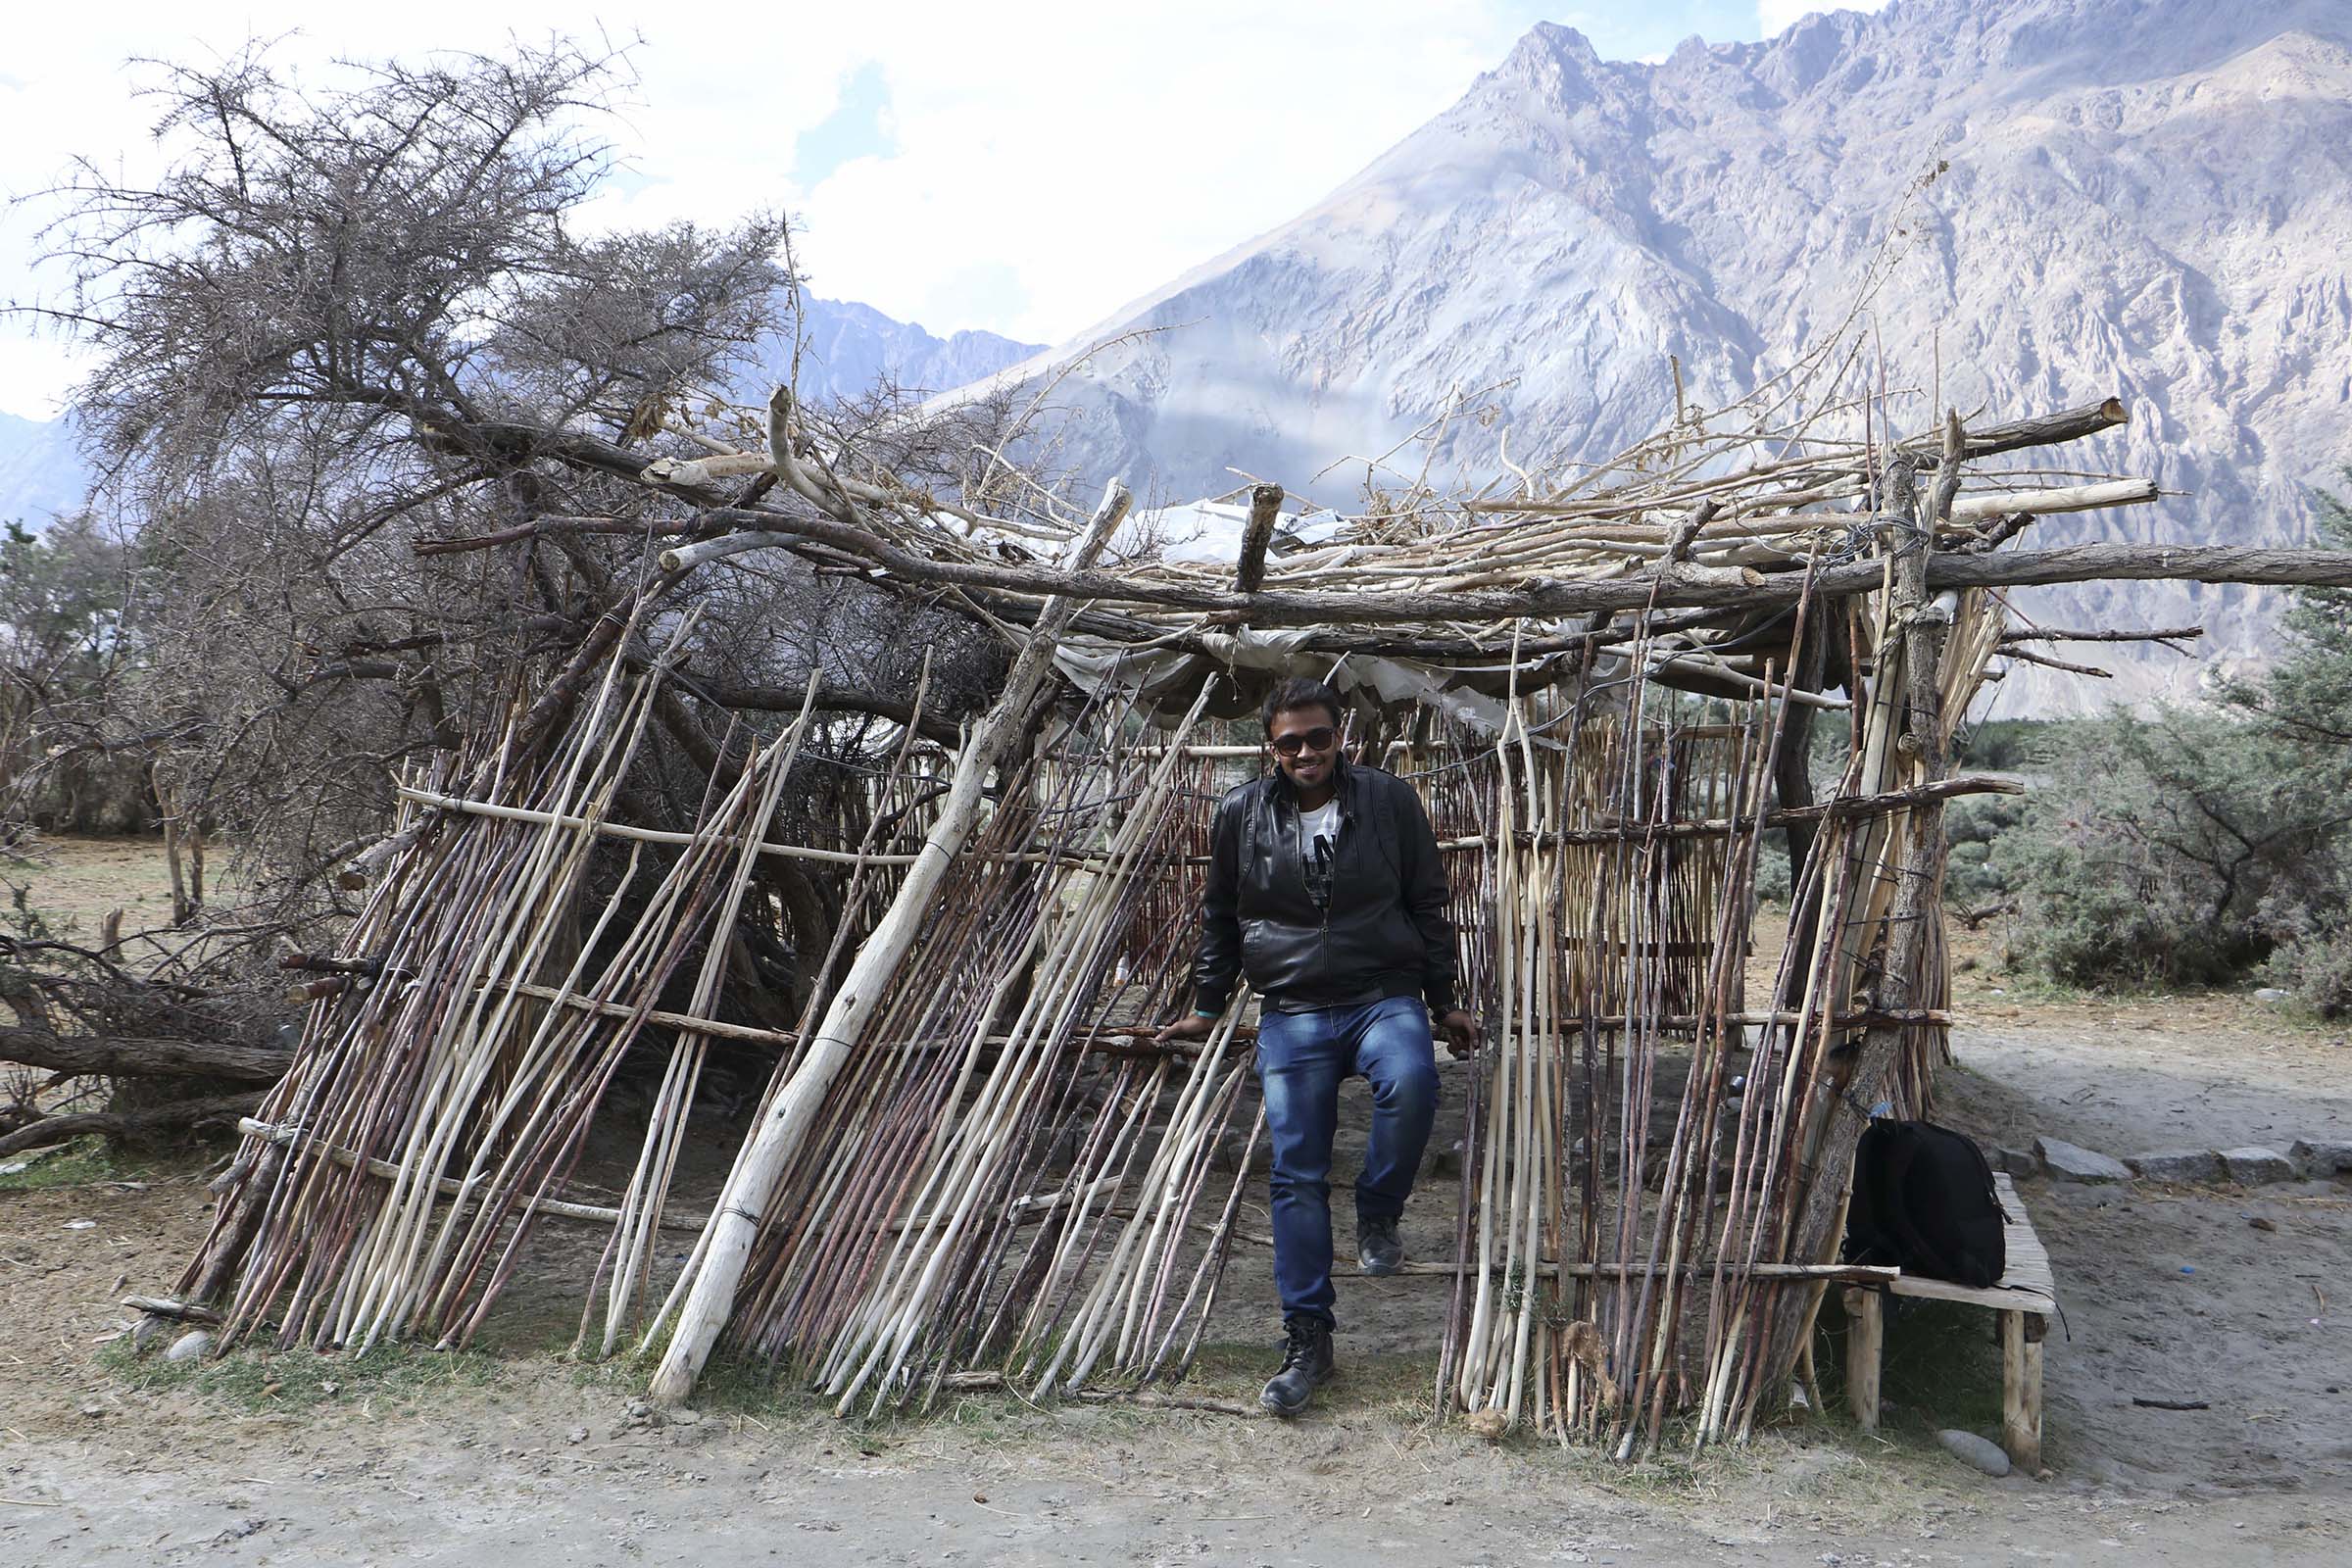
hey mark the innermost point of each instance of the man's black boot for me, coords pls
(1378, 1246)
(1306, 1363)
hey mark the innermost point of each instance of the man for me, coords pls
(1325, 888)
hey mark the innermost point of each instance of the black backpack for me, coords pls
(1923, 1201)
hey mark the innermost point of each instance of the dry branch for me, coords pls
(183, 1115)
(1671, 585)
(1265, 507)
(2063, 634)
(130, 1056)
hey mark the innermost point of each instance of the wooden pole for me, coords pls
(2021, 1390)
(1865, 1348)
(1266, 506)
(1912, 912)
(735, 1219)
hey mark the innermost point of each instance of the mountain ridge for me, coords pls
(2136, 197)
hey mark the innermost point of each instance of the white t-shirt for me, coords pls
(1323, 823)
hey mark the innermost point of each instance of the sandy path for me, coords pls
(536, 1468)
(540, 1467)
(541, 1464)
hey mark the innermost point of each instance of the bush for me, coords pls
(1972, 825)
(2172, 849)
(2313, 956)
(62, 648)
(2194, 846)
(2008, 745)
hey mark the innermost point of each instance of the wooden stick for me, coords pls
(2047, 662)
(753, 1182)
(2042, 503)
(448, 1185)
(2063, 634)
(1667, 586)
(168, 1307)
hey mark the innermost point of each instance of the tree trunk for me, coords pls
(143, 1056)
(176, 1114)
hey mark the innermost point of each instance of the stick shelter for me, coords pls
(970, 1165)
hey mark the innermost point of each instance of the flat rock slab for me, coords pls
(2067, 1162)
(2322, 1157)
(2178, 1166)
(2257, 1167)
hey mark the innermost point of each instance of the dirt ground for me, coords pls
(518, 1456)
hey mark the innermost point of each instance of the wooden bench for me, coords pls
(2025, 1299)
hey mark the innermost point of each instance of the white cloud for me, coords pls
(1047, 163)
(1049, 170)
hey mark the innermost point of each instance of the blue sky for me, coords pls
(1025, 167)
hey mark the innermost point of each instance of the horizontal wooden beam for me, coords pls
(1670, 584)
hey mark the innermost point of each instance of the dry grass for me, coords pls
(73, 883)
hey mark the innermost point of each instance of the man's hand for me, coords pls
(1192, 1026)
(1461, 1033)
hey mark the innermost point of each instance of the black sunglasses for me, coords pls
(1318, 739)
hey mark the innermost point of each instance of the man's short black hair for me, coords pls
(1301, 692)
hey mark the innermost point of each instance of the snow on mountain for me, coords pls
(2144, 197)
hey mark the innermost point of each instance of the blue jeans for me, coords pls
(1301, 1057)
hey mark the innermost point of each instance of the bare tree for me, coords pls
(381, 409)
(349, 323)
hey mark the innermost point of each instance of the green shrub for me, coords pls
(1972, 825)
(2193, 846)
(2168, 849)
(2313, 956)
(2008, 745)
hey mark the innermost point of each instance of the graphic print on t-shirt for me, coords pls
(1318, 842)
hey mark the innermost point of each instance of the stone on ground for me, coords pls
(2257, 1167)
(2178, 1166)
(2322, 1157)
(189, 1346)
(2068, 1162)
(1985, 1455)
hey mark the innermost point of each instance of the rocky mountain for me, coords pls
(2147, 198)
(847, 349)
(41, 474)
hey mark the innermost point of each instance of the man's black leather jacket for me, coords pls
(1385, 932)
